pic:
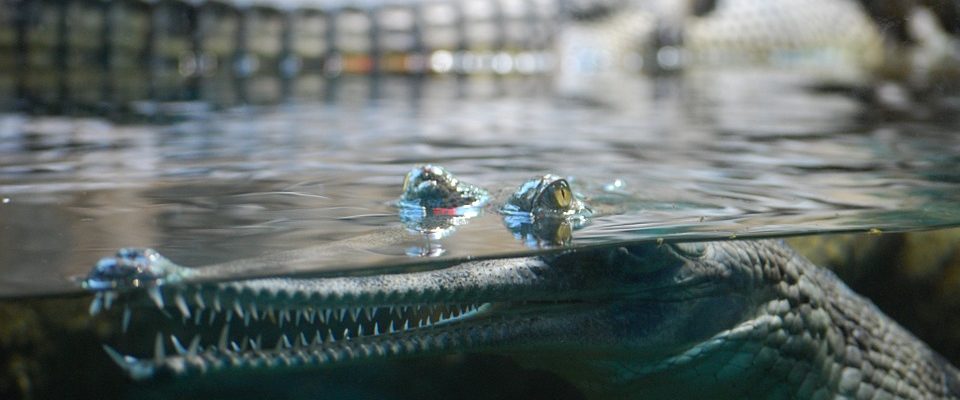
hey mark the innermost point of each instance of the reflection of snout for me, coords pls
(436, 223)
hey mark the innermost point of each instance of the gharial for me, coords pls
(727, 319)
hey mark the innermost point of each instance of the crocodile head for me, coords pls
(544, 211)
(432, 187)
(133, 268)
(434, 201)
(641, 305)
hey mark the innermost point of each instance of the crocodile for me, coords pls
(723, 319)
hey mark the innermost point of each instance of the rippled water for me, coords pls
(705, 155)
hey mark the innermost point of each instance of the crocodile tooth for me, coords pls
(303, 340)
(317, 339)
(327, 314)
(238, 309)
(359, 330)
(330, 337)
(368, 313)
(442, 316)
(346, 334)
(182, 305)
(376, 329)
(97, 304)
(194, 346)
(123, 361)
(296, 317)
(198, 298)
(126, 318)
(259, 342)
(222, 343)
(286, 341)
(159, 352)
(356, 314)
(343, 313)
(390, 329)
(253, 345)
(197, 318)
(108, 298)
(271, 313)
(406, 324)
(284, 316)
(246, 320)
(310, 315)
(233, 345)
(253, 311)
(156, 296)
(216, 302)
(177, 346)
(398, 311)
(213, 317)
(323, 315)
(428, 320)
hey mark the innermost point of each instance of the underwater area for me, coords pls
(209, 169)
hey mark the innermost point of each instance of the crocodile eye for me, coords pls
(562, 194)
(556, 197)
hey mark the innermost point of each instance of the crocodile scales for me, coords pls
(731, 319)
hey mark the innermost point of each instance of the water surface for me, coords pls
(712, 154)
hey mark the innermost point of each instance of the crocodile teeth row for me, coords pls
(366, 317)
(300, 322)
(193, 306)
(320, 338)
(290, 353)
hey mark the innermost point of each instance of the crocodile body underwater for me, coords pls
(726, 319)
(733, 319)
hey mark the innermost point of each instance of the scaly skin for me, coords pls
(738, 319)
(747, 319)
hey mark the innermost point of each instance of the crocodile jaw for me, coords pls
(625, 302)
(256, 333)
(191, 328)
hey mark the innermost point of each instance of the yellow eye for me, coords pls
(562, 195)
